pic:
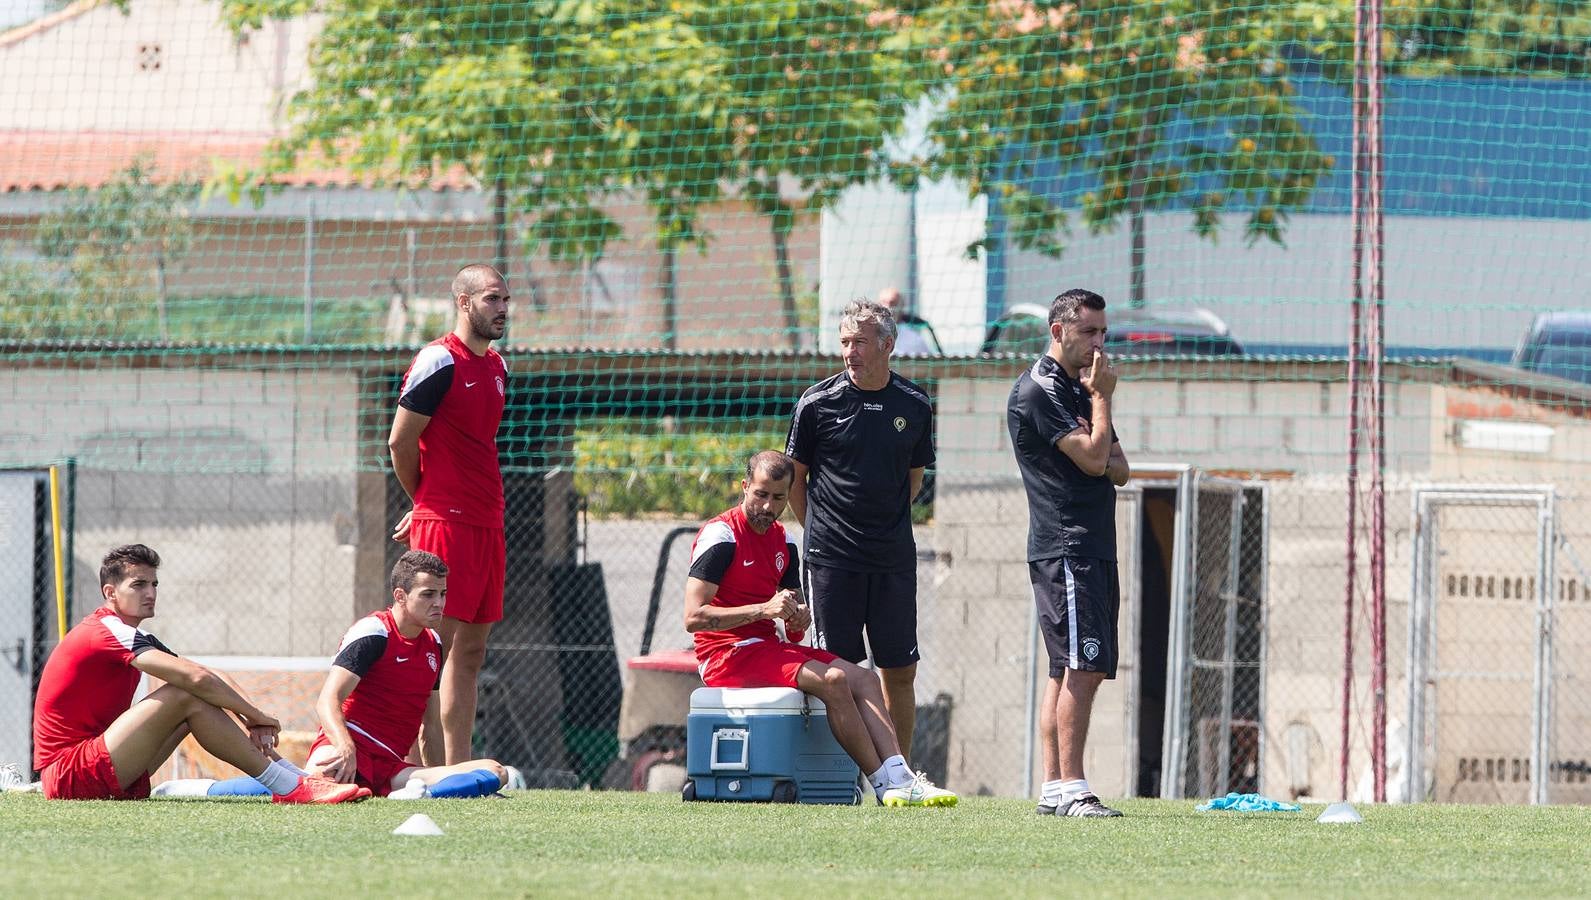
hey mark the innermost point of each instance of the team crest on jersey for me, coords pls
(900, 423)
(501, 390)
(779, 561)
(431, 658)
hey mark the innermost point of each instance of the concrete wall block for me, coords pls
(971, 434)
(1002, 542)
(234, 386)
(167, 386)
(1157, 399)
(179, 417)
(1299, 400)
(263, 494)
(1223, 398)
(141, 491)
(199, 492)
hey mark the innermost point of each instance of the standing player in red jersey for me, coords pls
(91, 742)
(444, 452)
(382, 689)
(744, 574)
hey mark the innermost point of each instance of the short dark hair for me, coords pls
(412, 563)
(472, 279)
(1066, 304)
(117, 563)
(776, 464)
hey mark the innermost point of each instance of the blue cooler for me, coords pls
(764, 744)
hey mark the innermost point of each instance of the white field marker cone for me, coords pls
(418, 824)
(1340, 814)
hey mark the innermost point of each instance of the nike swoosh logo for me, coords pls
(471, 383)
(848, 418)
(402, 659)
(749, 562)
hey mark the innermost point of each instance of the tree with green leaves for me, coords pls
(1180, 104)
(116, 242)
(559, 105)
(1490, 37)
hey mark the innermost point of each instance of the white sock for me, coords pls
(292, 768)
(1075, 788)
(183, 787)
(897, 771)
(1050, 792)
(879, 780)
(278, 778)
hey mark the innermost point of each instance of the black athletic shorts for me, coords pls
(844, 603)
(1078, 599)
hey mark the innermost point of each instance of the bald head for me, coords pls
(474, 278)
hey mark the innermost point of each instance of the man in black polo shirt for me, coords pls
(860, 441)
(1059, 415)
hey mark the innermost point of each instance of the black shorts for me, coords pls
(844, 603)
(1078, 599)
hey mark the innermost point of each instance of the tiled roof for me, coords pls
(55, 160)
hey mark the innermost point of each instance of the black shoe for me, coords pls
(1085, 806)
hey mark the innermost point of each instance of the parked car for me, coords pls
(1025, 330)
(1558, 343)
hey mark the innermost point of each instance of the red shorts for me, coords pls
(375, 765)
(85, 773)
(475, 557)
(763, 664)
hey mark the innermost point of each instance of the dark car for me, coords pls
(1558, 343)
(1025, 331)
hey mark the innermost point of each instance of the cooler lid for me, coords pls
(753, 700)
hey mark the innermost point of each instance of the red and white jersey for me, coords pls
(396, 678)
(748, 568)
(87, 683)
(464, 395)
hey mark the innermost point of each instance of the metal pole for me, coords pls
(1229, 643)
(1029, 749)
(309, 272)
(1355, 349)
(1378, 531)
(1546, 596)
(1173, 743)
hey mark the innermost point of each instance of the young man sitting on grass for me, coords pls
(381, 690)
(91, 742)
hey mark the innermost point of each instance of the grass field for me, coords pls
(586, 844)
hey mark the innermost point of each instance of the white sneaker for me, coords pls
(11, 778)
(414, 790)
(918, 792)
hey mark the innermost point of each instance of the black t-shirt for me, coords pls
(1070, 513)
(861, 447)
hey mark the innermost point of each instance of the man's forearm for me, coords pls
(798, 501)
(406, 466)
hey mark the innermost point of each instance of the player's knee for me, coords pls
(835, 682)
(494, 767)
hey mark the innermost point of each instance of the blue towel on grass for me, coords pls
(1248, 803)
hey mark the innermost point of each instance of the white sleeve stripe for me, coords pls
(433, 359)
(366, 627)
(123, 633)
(906, 389)
(713, 534)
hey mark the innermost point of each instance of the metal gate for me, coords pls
(1215, 692)
(1480, 663)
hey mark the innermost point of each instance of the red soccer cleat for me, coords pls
(319, 790)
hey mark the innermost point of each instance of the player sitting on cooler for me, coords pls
(743, 576)
(92, 742)
(383, 686)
